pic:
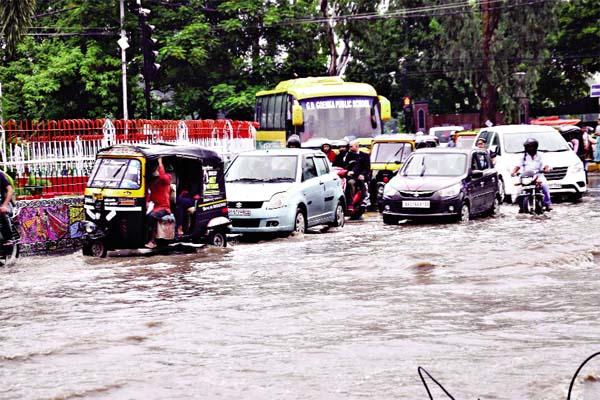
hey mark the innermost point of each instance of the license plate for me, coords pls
(240, 212)
(415, 203)
(555, 186)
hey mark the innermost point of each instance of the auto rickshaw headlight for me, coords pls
(277, 201)
(88, 226)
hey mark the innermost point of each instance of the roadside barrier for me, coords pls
(54, 158)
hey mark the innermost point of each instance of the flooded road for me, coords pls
(499, 308)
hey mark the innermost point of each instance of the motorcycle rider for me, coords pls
(359, 171)
(533, 161)
(293, 142)
(6, 194)
(342, 156)
(326, 148)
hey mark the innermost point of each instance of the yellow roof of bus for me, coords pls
(306, 88)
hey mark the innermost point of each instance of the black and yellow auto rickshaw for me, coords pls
(116, 193)
(388, 153)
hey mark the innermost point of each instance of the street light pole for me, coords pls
(124, 45)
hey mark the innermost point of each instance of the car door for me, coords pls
(312, 189)
(476, 185)
(330, 183)
(484, 186)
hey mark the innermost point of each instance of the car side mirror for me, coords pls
(476, 173)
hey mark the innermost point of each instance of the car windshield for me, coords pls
(444, 135)
(465, 142)
(116, 173)
(435, 164)
(549, 141)
(262, 168)
(390, 152)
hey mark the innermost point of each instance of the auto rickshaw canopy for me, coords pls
(154, 151)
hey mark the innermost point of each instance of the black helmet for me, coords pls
(531, 142)
(293, 142)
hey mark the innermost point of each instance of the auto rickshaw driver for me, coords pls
(160, 197)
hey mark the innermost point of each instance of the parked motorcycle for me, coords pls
(10, 247)
(531, 197)
(356, 206)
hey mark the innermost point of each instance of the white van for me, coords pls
(444, 133)
(567, 175)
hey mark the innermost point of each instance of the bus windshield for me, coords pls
(338, 117)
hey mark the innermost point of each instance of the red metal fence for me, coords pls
(50, 158)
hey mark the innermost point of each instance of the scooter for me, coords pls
(531, 198)
(357, 206)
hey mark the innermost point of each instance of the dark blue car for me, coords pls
(442, 182)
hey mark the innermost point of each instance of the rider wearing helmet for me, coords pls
(326, 148)
(342, 158)
(293, 142)
(533, 161)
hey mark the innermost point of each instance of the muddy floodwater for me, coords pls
(499, 308)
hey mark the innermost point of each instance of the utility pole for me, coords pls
(148, 45)
(124, 45)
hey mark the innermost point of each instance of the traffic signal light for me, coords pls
(149, 50)
(408, 113)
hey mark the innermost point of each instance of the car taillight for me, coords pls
(385, 179)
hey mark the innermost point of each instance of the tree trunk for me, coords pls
(490, 19)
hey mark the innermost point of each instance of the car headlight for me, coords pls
(277, 201)
(576, 168)
(389, 191)
(450, 191)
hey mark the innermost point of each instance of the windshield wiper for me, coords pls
(280, 179)
(423, 168)
(247, 180)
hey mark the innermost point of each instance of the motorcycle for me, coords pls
(10, 247)
(531, 197)
(356, 206)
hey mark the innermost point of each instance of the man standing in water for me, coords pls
(160, 197)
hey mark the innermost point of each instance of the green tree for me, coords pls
(15, 18)
(485, 43)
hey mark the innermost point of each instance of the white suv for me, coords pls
(567, 175)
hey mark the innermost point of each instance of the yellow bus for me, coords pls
(319, 109)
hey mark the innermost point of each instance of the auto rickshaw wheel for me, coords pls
(217, 238)
(97, 248)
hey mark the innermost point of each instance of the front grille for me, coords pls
(416, 194)
(245, 204)
(556, 173)
(245, 223)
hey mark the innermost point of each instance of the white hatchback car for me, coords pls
(567, 176)
(283, 190)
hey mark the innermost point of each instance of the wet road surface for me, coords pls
(499, 308)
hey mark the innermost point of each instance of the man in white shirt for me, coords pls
(534, 161)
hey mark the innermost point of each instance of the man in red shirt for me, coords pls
(160, 196)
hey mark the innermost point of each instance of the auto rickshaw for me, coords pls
(388, 153)
(116, 192)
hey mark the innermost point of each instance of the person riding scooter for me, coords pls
(358, 171)
(533, 161)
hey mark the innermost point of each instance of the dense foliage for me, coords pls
(61, 58)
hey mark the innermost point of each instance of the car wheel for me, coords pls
(218, 239)
(465, 213)
(339, 215)
(390, 219)
(300, 222)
